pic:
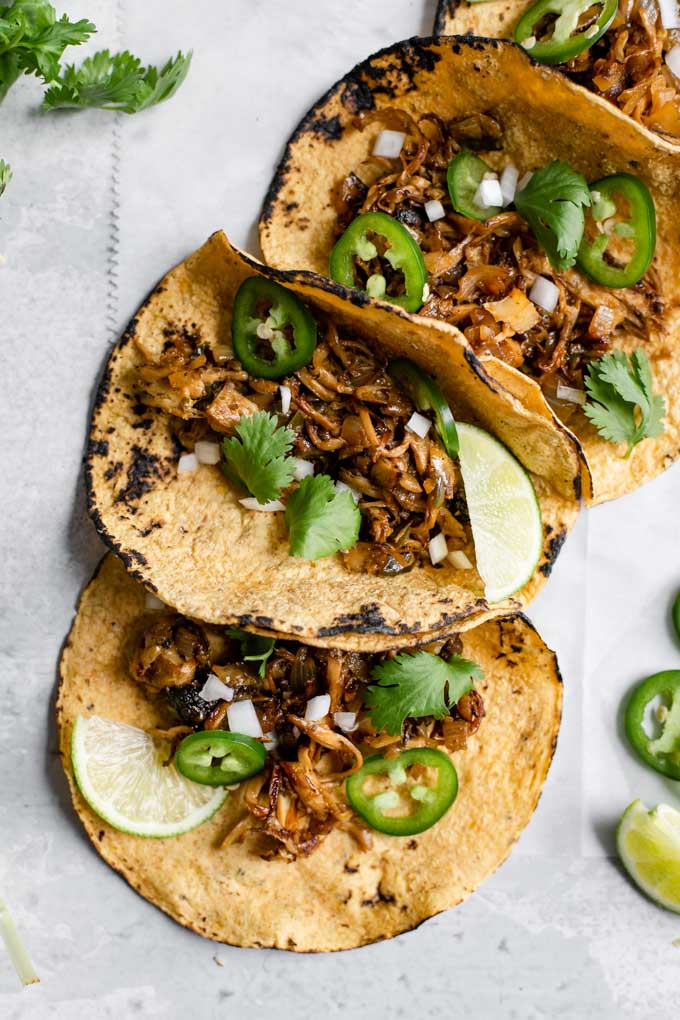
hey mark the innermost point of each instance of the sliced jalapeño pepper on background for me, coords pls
(663, 752)
(675, 614)
(402, 252)
(273, 333)
(464, 175)
(568, 38)
(391, 801)
(625, 214)
(219, 757)
(427, 396)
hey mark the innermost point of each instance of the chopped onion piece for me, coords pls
(670, 14)
(286, 396)
(343, 487)
(250, 503)
(525, 178)
(489, 193)
(673, 60)
(509, 179)
(243, 719)
(270, 741)
(153, 602)
(186, 463)
(426, 292)
(544, 293)
(438, 549)
(459, 560)
(214, 690)
(389, 144)
(419, 424)
(571, 394)
(302, 468)
(434, 210)
(346, 721)
(207, 453)
(318, 707)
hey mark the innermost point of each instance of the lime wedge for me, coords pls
(504, 513)
(120, 772)
(648, 843)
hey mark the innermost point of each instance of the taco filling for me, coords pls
(312, 739)
(500, 246)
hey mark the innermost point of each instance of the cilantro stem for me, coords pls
(16, 949)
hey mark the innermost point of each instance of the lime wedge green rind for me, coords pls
(648, 843)
(505, 515)
(121, 772)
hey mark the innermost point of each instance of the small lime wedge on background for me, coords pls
(648, 843)
(505, 515)
(120, 772)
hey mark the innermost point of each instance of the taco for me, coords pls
(625, 54)
(454, 178)
(317, 514)
(286, 861)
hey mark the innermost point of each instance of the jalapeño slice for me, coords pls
(219, 757)
(576, 25)
(401, 251)
(404, 795)
(464, 175)
(662, 753)
(427, 396)
(272, 331)
(620, 236)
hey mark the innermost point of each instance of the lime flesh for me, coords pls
(648, 843)
(505, 515)
(121, 772)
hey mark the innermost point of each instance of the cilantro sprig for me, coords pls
(552, 203)
(412, 686)
(5, 175)
(32, 40)
(116, 81)
(256, 457)
(321, 520)
(621, 402)
(254, 647)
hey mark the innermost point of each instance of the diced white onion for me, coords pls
(438, 549)
(345, 721)
(286, 396)
(670, 14)
(673, 60)
(243, 719)
(207, 453)
(509, 179)
(419, 424)
(426, 292)
(389, 144)
(459, 560)
(571, 394)
(186, 463)
(434, 210)
(343, 487)
(524, 180)
(153, 602)
(489, 193)
(318, 707)
(250, 503)
(270, 741)
(214, 690)
(544, 293)
(302, 468)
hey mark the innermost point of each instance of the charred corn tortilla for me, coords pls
(339, 897)
(543, 117)
(186, 536)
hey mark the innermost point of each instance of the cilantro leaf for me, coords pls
(116, 81)
(5, 175)
(257, 456)
(622, 405)
(552, 203)
(254, 647)
(32, 40)
(413, 686)
(321, 521)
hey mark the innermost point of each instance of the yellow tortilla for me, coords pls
(339, 897)
(187, 537)
(544, 116)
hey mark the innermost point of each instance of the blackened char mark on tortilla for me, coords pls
(143, 471)
(399, 76)
(370, 620)
(325, 127)
(554, 546)
(445, 9)
(97, 448)
(248, 620)
(356, 95)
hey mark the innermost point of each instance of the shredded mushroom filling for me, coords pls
(298, 798)
(481, 272)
